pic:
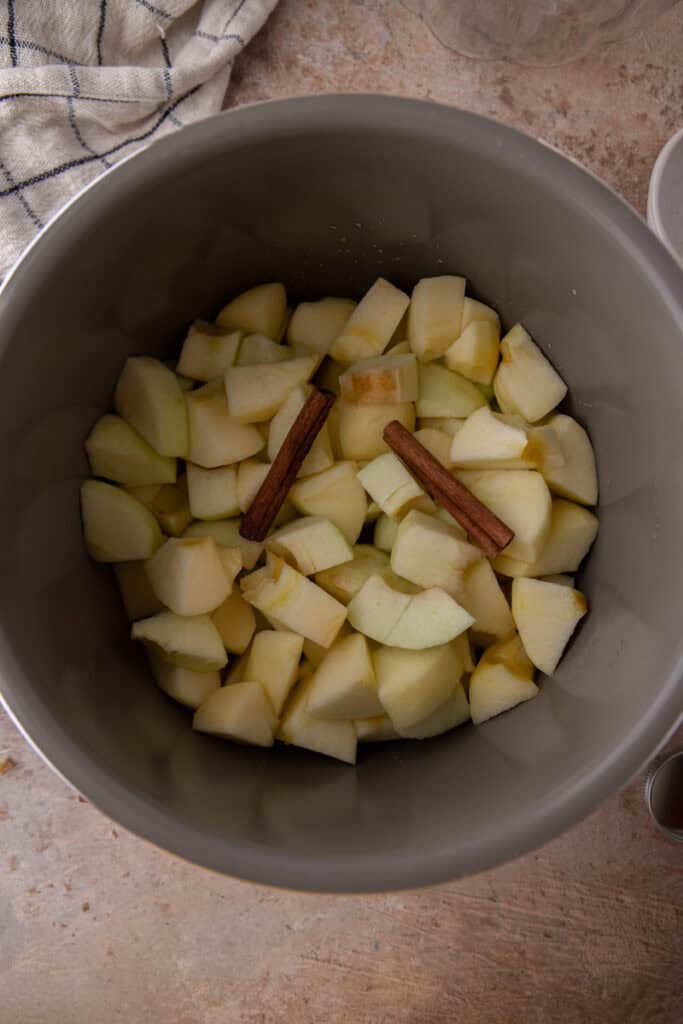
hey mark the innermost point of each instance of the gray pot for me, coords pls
(327, 194)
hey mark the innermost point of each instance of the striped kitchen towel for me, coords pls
(84, 83)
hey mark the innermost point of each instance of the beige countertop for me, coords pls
(97, 926)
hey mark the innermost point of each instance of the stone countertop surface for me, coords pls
(96, 925)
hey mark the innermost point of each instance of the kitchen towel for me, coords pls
(84, 83)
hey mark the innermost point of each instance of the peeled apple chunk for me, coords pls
(413, 621)
(315, 325)
(576, 477)
(226, 533)
(188, 575)
(413, 684)
(454, 711)
(335, 494)
(191, 642)
(368, 330)
(185, 685)
(361, 427)
(212, 492)
(301, 729)
(116, 526)
(447, 424)
(260, 310)
(520, 497)
(375, 730)
(117, 452)
(171, 508)
(273, 661)
(572, 531)
(503, 678)
(215, 438)
(443, 393)
(474, 311)
(345, 580)
(320, 456)
(255, 393)
(311, 543)
(240, 712)
(207, 351)
(384, 533)
(431, 554)
(484, 599)
(257, 348)
(435, 315)
(488, 441)
(235, 621)
(526, 383)
(389, 483)
(149, 397)
(344, 684)
(546, 615)
(139, 599)
(475, 353)
(295, 601)
(387, 378)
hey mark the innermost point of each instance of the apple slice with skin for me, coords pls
(215, 438)
(258, 349)
(117, 452)
(212, 492)
(389, 483)
(361, 427)
(185, 685)
(116, 526)
(335, 494)
(475, 353)
(344, 684)
(577, 477)
(503, 678)
(370, 327)
(546, 615)
(443, 393)
(320, 456)
(429, 553)
(389, 378)
(207, 351)
(137, 594)
(188, 575)
(484, 599)
(343, 581)
(526, 383)
(189, 641)
(149, 397)
(520, 497)
(435, 315)
(260, 310)
(572, 531)
(241, 712)
(301, 729)
(255, 393)
(378, 729)
(413, 684)
(226, 533)
(454, 711)
(235, 621)
(384, 534)
(315, 325)
(273, 661)
(413, 621)
(312, 543)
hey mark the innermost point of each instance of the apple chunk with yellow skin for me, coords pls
(443, 393)
(117, 527)
(546, 615)
(576, 477)
(520, 497)
(207, 351)
(312, 543)
(149, 397)
(185, 685)
(335, 494)
(315, 325)
(361, 427)
(435, 315)
(344, 684)
(139, 599)
(226, 533)
(235, 621)
(430, 553)
(475, 353)
(345, 580)
(503, 678)
(572, 531)
(413, 684)
(389, 483)
(368, 330)
(255, 393)
(212, 493)
(320, 456)
(241, 712)
(260, 310)
(454, 711)
(484, 599)
(188, 575)
(413, 621)
(388, 378)
(215, 438)
(273, 661)
(334, 738)
(295, 601)
(189, 641)
(117, 452)
(526, 383)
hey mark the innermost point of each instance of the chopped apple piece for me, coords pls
(412, 621)
(361, 427)
(298, 727)
(274, 662)
(488, 441)
(546, 615)
(345, 580)
(250, 476)
(503, 678)
(212, 492)
(429, 553)
(378, 729)
(320, 456)
(335, 494)
(188, 576)
(215, 438)
(185, 685)
(314, 653)
(117, 527)
(315, 325)
(139, 599)
(117, 452)
(463, 648)
(443, 393)
(520, 497)
(384, 534)
(437, 443)
(435, 315)
(484, 599)
(447, 424)
(389, 483)
(207, 351)
(241, 712)
(189, 641)
(441, 513)
(576, 478)
(171, 508)
(255, 393)
(235, 621)
(454, 711)
(526, 383)
(312, 543)
(475, 353)
(389, 378)
(475, 312)
(226, 533)
(413, 684)
(296, 602)
(344, 684)
(256, 349)
(260, 310)
(148, 397)
(368, 330)
(572, 531)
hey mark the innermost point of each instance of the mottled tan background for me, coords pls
(96, 926)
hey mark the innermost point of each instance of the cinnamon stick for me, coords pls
(484, 528)
(271, 494)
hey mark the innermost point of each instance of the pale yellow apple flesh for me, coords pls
(572, 532)
(519, 497)
(315, 325)
(344, 684)
(375, 730)
(207, 351)
(335, 494)
(216, 439)
(413, 684)
(212, 493)
(389, 378)
(260, 310)
(445, 394)
(389, 483)
(240, 712)
(273, 661)
(255, 393)
(149, 397)
(116, 526)
(361, 427)
(311, 544)
(235, 621)
(368, 330)
(430, 553)
(185, 685)
(502, 679)
(345, 580)
(226, 533)
(334, 738)
(526, 383)
(191, 642)
(435, 315)
(546, 615)
(475, 353)
(117, 452)
(454, 711)
(188, 576)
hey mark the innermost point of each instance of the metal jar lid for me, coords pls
(664, 794)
